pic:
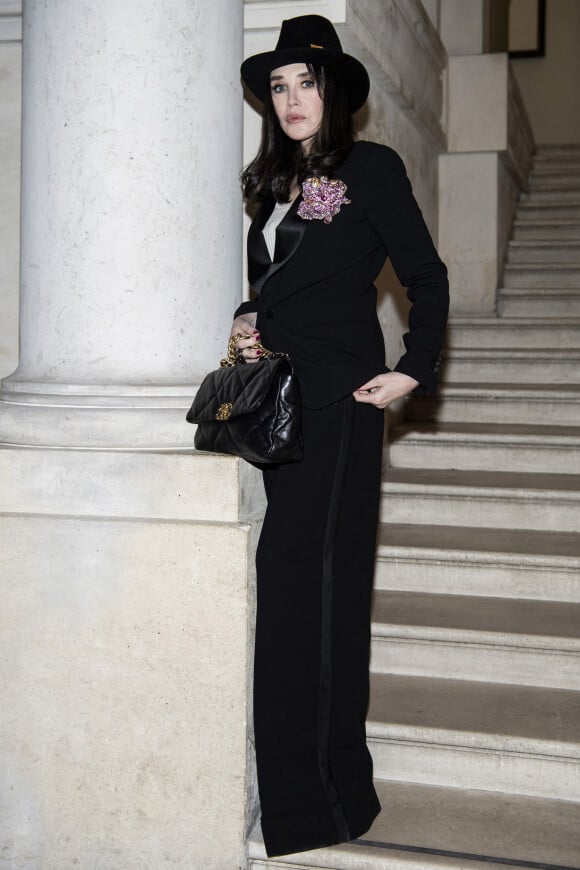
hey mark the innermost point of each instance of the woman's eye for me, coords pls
(277, 89)
(308, 83)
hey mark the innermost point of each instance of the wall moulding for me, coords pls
(10, 21)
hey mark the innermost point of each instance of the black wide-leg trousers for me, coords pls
(315, 565)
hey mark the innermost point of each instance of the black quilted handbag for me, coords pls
(250, 410)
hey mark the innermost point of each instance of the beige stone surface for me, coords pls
(486, 111)
(406, 54)
(124, 650)
(490, 148)
(166, 486)
(478, 92)
(462, 26)
(468, 229)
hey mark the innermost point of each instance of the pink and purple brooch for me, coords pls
(322, 198)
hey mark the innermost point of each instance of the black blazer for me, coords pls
(317, 302)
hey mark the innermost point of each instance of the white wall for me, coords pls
(550, 85)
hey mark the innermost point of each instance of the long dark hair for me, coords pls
(280, 159)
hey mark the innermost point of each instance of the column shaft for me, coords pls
(131, 235)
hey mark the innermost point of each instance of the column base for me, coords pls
(94, 416)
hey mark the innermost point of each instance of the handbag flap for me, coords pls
(240, 389)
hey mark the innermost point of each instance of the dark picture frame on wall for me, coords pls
(527, 28)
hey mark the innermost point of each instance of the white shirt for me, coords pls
(278, 214)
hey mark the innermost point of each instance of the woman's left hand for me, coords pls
(386, 388)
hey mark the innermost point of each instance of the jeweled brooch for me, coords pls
(322, 198)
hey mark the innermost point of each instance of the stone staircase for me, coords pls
(474, 723)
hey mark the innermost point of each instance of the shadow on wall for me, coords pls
(393, 310)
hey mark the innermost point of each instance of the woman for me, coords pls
(314, 250)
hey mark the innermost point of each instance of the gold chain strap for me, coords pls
(232, 358)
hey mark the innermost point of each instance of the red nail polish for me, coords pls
(258, 353)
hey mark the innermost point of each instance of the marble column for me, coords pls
(10, 112)
(131, 237)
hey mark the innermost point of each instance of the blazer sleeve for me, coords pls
(393, 212)
(246, 308)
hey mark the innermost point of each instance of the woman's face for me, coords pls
(297, 103)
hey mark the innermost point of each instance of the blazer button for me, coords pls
(269, 314)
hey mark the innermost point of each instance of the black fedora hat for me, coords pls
(307, 39)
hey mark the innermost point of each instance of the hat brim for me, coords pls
(256, 70)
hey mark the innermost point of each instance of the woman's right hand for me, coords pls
(246, 325)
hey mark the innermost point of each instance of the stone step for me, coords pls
(533, 404)
(542, 275)
(542, 230)
(555, 180)
(423, 827)
(547, 166)
(557, 152)
(460, 637)
(545, 365)
(568, 196)
(481, 446)
(462, 734)
(535, 302)
(500, 562)
(548, 211)
(546, 502)
(544, 252)
(509, 333)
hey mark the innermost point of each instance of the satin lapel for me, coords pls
(288, 237)
(258, 257)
